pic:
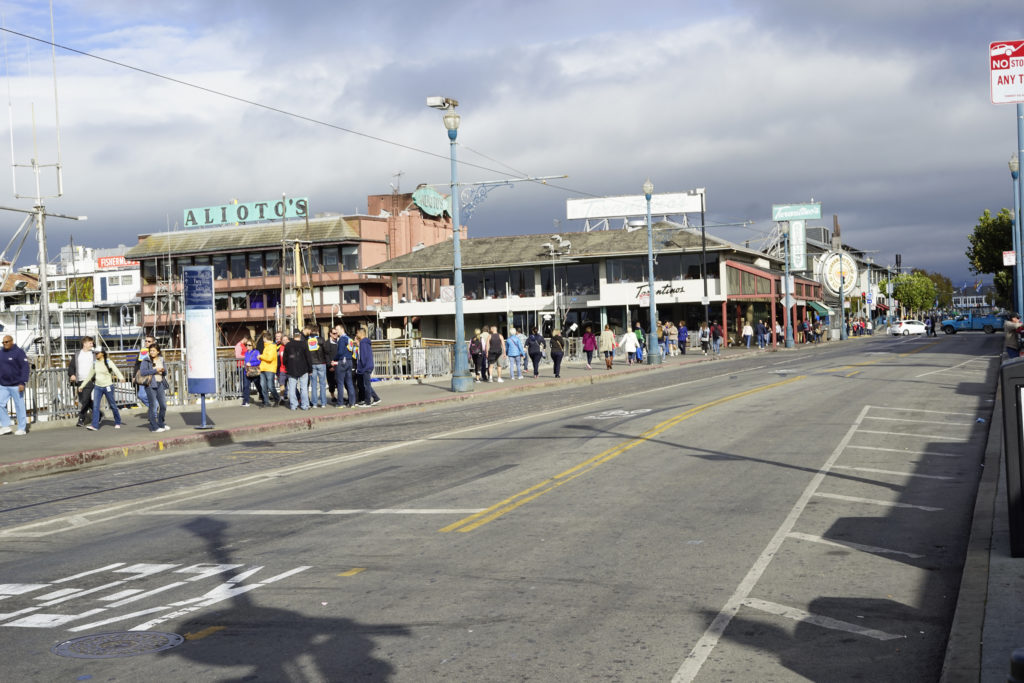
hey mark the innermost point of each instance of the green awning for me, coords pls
(819, 308)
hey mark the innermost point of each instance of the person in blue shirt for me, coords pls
(343, 366)
(13, 378)
(516, 354)
(364, 366)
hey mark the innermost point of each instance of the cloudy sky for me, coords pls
(880, 110)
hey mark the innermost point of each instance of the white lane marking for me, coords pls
(919, 436)
(816, 619)
(951, 367)
(108, 568)
(119, 510)
(924, 410)
(907, 452)
(7, 589)
(927, 422)
(58, 594)
(51, 620)
(142, 596)
(121, 595)
(876, 550)
(80, 593)
(899, 474)
(113, 620)
(296, 513)
(872, 501)
(691, 666)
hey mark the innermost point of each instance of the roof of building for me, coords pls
(31, 282)
(243, 237)
(529, 250)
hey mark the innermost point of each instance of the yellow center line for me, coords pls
(353, 571)
(855, 372)
(490, 514)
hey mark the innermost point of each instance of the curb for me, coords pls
(963, 648)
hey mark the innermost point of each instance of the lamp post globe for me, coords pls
(654, 355)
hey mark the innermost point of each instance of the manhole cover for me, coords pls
(118, 644)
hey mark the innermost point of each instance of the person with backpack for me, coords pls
(716, 340)
(535, 346)
(318, 374)
(704, 337)
(103, 373)
(476, 352)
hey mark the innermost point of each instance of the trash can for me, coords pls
(1012, 375)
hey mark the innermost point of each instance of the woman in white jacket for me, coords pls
(628, 343)
(105, 374)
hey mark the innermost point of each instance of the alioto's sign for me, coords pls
(204, 217)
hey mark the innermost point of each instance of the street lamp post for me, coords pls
(654, 355)
(1018, 284)
(462, 381)
(790, 343)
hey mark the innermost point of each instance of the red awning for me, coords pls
(882, 307)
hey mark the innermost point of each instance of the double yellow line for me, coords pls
(477, 520)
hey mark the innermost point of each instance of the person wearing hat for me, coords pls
(298, 364)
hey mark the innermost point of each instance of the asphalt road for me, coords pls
(789, 516)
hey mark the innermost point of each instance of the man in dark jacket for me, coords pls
(364, 366)
(330, 350)
(344, 366)
(299, 364)
(13, 378)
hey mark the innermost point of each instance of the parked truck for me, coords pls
(984, 323)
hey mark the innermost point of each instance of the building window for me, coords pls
(237, 267)
(350, 257)
(350, 294)
(221, 302)
(633, 269)
(330, 259)
(239, 301)
(220, 267)
(126, 280)
(149, 270)
(256, 300)
(201, 261)
(273, 262)
(113, 281)
(256, 265)
(580, 279)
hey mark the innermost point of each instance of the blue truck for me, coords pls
(983, 323)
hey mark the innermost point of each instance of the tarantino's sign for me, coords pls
(203, 217)
(643, 291)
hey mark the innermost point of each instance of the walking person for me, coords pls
(79, 366)
(476, 352)
(299, 364)
(535, 346)
(143, 352)
(330, 350)
(607, 346)
(704, 336)
(629, 344)
(516, 354)
(243, 381)
(14, 371)
(748, 333)
(105, 373)
(485, 343)
(344, 365)
(495, 351)
(716, 340)
(589, 346)
(684, 335)
(268, 371)
(672, 333)
(557, 351)
(156, 389)
(365, 368)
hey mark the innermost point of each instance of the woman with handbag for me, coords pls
(152, 373)
(557, 351)
(251, 362)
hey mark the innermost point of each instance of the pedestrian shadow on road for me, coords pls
(248, 641)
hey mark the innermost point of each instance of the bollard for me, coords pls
(1016, 666)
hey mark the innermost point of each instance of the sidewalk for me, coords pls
(52, 447)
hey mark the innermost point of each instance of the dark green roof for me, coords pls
(243, 237)
(529, 250)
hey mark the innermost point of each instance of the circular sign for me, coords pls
(839, 267)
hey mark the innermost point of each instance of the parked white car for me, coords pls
(907, 327)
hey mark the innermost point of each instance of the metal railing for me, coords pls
(50, 395)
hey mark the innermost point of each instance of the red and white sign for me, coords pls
(114, 262)
(1009, 258)
(1006, 62)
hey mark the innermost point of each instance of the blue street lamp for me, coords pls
(462, 381)
(790, 343)
(1018, 284)
(654, 355)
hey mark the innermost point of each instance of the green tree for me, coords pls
(991, 237)
(914, 291)
(943, 287)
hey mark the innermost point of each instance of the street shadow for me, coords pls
(272, 643)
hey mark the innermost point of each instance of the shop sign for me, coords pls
(796, 212)
(643, 291)
(431, 201)
(839, 267)
(115, 262)
(207, 216)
